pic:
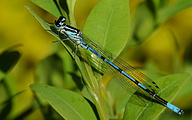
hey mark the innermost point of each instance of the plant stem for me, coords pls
(93, 87)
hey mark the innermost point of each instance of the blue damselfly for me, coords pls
(129, 73)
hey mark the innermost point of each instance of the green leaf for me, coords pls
(59, 8)
(142, 27)
(71, 5)
(44, 24)
(173, 9)
(117, 98)
(109, 24)
(8, 59)
(159, 4)
(170, 86)
(2, 75)
(69, 105)
(48, 5)
(7, 103)
(50, 71)
(54, 71)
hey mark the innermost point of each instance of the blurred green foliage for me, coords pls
(159, 39)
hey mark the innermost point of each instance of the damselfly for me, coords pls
(127, 72)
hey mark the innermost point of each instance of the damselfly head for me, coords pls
(59, 22)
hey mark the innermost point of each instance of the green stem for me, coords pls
(93, 87)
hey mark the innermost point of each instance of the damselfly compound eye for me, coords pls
(59, 22)
(62, 19)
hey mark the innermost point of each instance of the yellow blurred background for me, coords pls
(18, 26)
